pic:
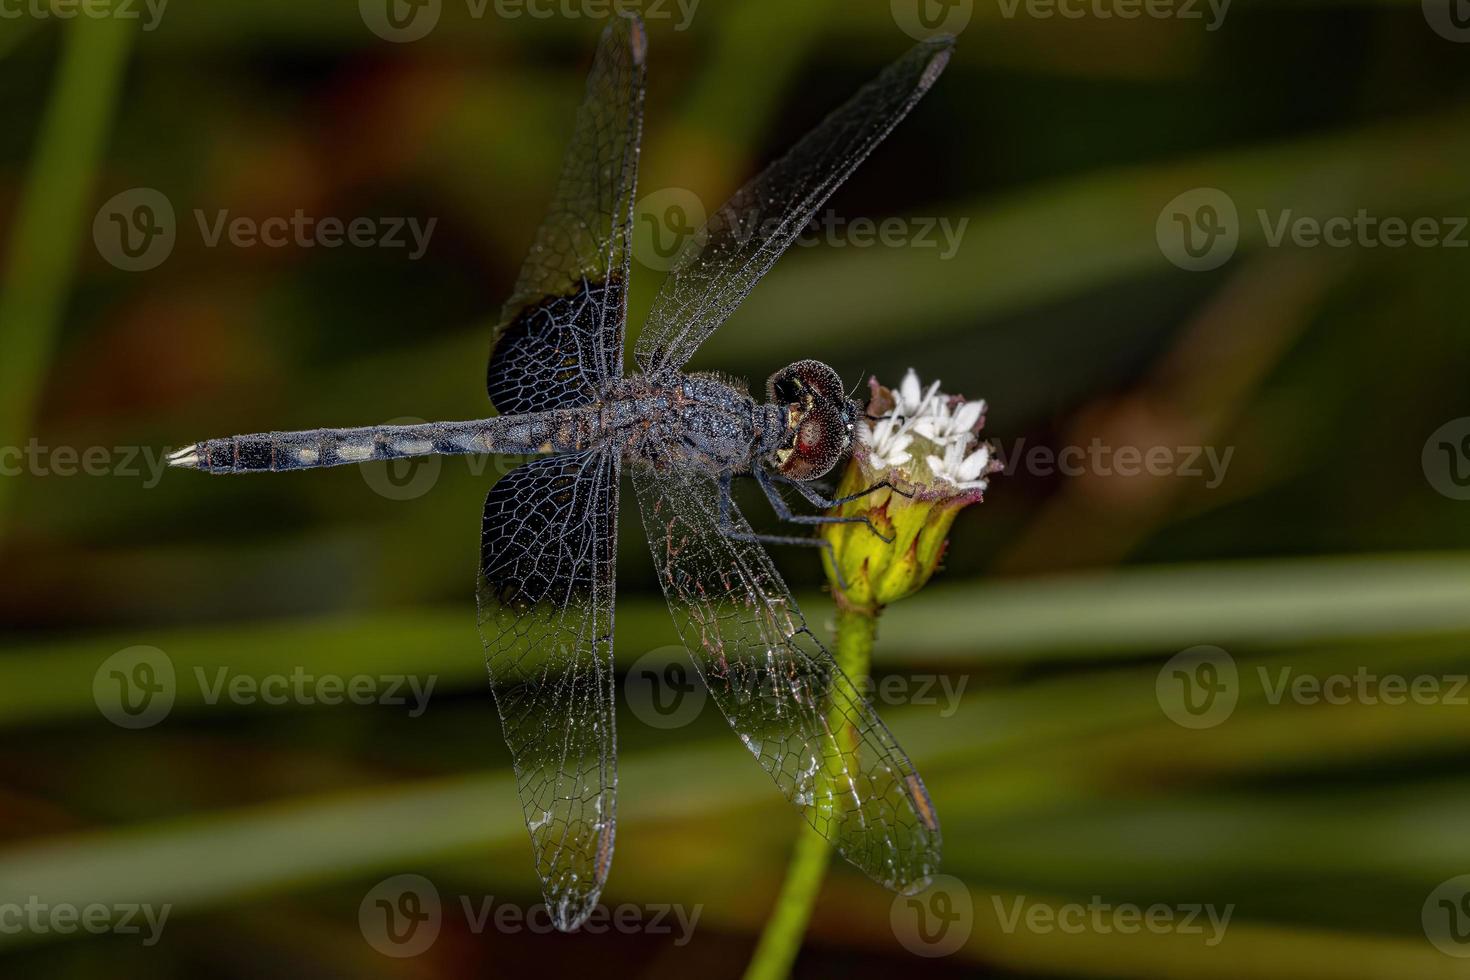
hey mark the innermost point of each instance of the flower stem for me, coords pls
(781, 939)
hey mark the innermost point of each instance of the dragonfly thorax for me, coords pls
(818, 419)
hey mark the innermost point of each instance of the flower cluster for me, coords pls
(945, 429)
(926, 445)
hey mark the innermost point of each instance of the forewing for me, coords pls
(546, 617)
(797, 713)
(560, 338)
(715, 270)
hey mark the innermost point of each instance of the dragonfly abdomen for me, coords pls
(275, 452)
(562, 431)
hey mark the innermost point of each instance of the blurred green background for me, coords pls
(1335, 544)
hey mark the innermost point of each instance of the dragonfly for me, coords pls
(546, 584)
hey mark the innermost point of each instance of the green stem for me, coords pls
(781, 939)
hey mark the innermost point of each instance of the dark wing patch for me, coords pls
(548, 548)
(560, 338)
(548, 356)
(803, 719)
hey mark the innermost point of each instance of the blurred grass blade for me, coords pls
(1102, 616)
(41, 254)
(1113, 614)
(1038, 245)
(214, 860)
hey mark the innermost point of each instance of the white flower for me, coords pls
(926, 424)
(943, 424)
(910, 401)
(965, 471)
(888, 442)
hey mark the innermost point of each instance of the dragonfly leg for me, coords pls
(813, 492)
(784, 512)
(729, 530)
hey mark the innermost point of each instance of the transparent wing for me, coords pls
(560, 337)
(797, 713)
(716, 270)
(546, 617)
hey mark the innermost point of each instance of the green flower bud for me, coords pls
(924, 443)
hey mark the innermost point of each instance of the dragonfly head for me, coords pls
(819, 419)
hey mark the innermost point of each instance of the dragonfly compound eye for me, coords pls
(820, 440)
(804, 383)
